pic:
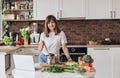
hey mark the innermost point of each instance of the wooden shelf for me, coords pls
(20, 9)
(19, 0)
(21, 20)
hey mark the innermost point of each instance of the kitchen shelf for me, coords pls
(20, 10)
(19, 0)
(22, 20)
(19, 20)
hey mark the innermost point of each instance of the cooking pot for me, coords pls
(50, 58)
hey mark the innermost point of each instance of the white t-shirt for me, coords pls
(53, 42)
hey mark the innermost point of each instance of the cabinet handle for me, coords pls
(101, 48)
(57, 14)
(111, 14)
(60, 13)
(114, 14)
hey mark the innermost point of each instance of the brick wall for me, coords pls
(81, 31)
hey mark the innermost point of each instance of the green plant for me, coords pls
(25, 32)
(7, 39)
(93, 40)
(4, 13)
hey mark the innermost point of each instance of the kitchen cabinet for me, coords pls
(116, 9)
(59, 8)
(72, 9)
(2, 66)
(116, 62)
(102, 61)
(43, 8)
(102, 9)
(98, 9)
(106, 61)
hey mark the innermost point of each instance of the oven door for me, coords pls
(74, 52)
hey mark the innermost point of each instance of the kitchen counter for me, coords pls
(39, 74)
(10, 49)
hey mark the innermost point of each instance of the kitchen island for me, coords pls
(39, 74)
(5, 50)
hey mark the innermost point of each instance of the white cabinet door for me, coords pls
(43, 8)
(72, 8)
(116, 62)
(98, 9)
(102, 61)
(116, 9)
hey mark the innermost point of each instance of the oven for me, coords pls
(74, 52)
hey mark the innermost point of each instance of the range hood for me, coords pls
(72, 18)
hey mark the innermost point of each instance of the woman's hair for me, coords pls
(50, 18)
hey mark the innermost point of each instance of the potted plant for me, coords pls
(93, 42)
(26, 34)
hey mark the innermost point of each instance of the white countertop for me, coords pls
(39, 74)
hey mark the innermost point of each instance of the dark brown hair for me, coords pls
(46, 29)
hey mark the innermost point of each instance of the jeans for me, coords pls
(42, 58)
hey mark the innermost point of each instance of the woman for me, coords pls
(51, 40)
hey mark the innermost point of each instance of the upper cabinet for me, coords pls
(59, 8)
(43, 8)
(98, 9)
(102, 9)
(116, 9)
(72, 9)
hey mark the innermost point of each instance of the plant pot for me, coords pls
(93, 43)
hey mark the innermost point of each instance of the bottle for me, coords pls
(30, 5)
(18, 17)
(17, 38)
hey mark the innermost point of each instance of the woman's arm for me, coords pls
(65, 49)
(40, 45)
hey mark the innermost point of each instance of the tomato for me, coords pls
(91, 69)
(87, 64)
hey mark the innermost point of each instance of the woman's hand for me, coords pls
(70, 60)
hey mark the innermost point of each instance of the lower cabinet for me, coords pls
(102, 62)
(106, 62)
(116, 63)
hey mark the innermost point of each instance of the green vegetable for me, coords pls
(70, 63)
(55, 69)
(7, 39)
(87, 58)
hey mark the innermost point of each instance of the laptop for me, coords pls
(24, 62)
